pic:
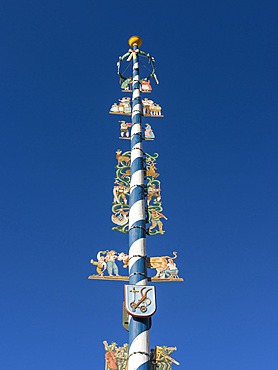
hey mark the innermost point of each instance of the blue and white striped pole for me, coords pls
(139, 338)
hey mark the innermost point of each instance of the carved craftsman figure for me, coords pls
(101, 264)
(111, 264)
(155, 219)
(149, 134)
(145, 86)
(114, 108)
(163, 360)
(119, 192)
(147, 104)
(123, 107)
(116, 358)
(110, 356)
(125, 128)
(171, 270)
(153, 192)
(126, 84)
(122, 357)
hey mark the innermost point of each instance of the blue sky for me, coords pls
(217, 66)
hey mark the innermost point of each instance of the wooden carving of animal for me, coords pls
(151, 170)
(122, 158)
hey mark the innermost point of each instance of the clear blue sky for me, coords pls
(217, 65)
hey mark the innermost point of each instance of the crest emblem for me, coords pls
(140, 300)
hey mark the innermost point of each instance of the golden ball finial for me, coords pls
(135, 40)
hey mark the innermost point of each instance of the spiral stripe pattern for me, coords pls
(139, 342)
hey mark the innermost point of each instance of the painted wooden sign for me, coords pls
(140, 300)
(125, 128)
(150, 109)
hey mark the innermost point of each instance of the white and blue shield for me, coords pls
(140, 300)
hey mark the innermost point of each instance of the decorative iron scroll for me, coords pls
(153, 195)
(120, 208)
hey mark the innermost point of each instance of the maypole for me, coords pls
(139, 341)
(136, 203)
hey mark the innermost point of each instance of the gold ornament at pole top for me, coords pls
(135, 40)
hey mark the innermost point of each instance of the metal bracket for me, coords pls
(141, 186)
(136, 147)
(139, 273)
(137, 133)
(140, 352)
(138, 227)
(137, 255)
